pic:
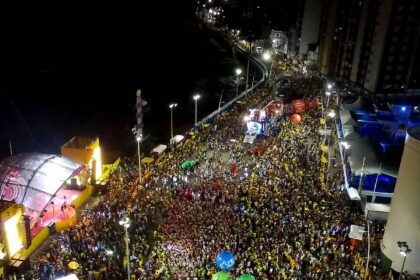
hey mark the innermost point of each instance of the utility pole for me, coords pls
(220, 100)
(247, 66)
(253, 79)
(361, 176)
(376, 183)
(10, 147)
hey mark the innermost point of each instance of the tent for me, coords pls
(353, 194)
(356, 232)
(176, 139)
(249, 138)
(159, 149)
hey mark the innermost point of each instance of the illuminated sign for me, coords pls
(14, 240)
(254, 127)
(97, 157)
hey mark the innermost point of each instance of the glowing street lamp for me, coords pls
(328, 94)
(171, 106)
(196, 97)
(125, 222)
(238, 72)
(267, 57)
(404, 251)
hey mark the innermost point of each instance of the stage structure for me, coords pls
(39, 196)
(86, 151)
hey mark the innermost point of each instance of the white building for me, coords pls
(404, 218)
(279, 41)
(309, 33)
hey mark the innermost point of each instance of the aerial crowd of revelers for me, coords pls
(277, 210)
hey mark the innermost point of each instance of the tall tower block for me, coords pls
(404, 218)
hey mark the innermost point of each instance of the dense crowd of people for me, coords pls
(275, 210)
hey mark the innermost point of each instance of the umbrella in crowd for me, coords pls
(221, 276)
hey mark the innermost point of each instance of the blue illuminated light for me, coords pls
(403, 109)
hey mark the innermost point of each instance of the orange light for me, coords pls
(14, 241)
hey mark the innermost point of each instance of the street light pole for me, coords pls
(402, 267)
(172, 106)
(172, 125)
(253, 79)
(271, 68)
(404, 252)
(238, 72)
(266, 56)
(376, 183)
(361, 176)
(139, 156)
(368, 256)
(125, 222)
(220, 100)
(196, 97)
(127, 252)
(237, 86)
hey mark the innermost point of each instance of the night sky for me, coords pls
(74, 71)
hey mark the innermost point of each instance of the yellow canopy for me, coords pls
(147, 160)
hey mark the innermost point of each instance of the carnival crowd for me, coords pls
(277, 208)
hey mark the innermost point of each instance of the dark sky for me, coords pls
(66, 65)
(74, 71)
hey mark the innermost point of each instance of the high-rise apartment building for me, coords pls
(308, 26)
(373, 43)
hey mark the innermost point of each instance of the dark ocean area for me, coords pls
(68, 76)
